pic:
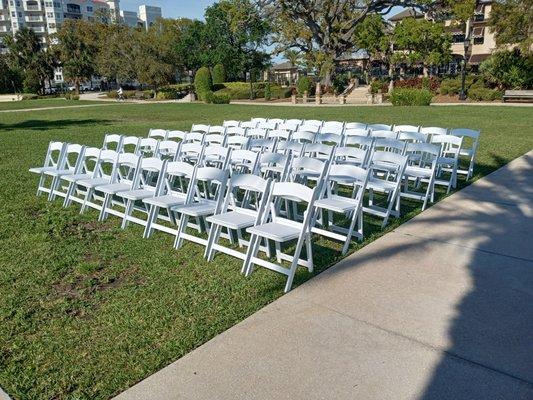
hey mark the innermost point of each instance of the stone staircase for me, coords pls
(357, 95)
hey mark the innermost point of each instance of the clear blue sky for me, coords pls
(171, 8)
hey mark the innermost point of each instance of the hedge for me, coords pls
(219, 74)
(203, 82)
(411, 97)
(213, 98)
(304, 84)
(484, 94)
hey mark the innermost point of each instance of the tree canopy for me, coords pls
(512, 23)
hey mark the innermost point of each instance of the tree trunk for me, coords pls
(77, 83)
(327, 80)
(425, 70)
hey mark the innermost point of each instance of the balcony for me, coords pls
(32, 5)
(4, 29)
(38, 29)
(34, 18)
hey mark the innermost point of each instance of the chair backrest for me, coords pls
(171, 135)
(329, 138)
(235, 131)
(303, 136)
(256, 133)
(406, 128)
(262, 144)
(379, 127)
(286, 126)
(356, 132)
(450, 145)
(151, 175)
(412, 137)
(237, 142)
(318, 150)
(244, 160)
(217, 129)
(267, 125)
(279, 134)
(355, 125)
(89, 164)
(106, 164)
(389, 145)
(274, 160)
(351, 155)
(127, 168)
(190, 152)
(194, 137)
(301, 166)
(72, 157)
(217, 155)
(295, 192)
(390, 162)
(276, 120)
(168, 149)
(231, 123)
(248, 124)
(294, 121)
(185, 172)
(130, 144)
(160, 134)
(215, 139)
(364, 142)
(313, 122)
(422, 154)
(309, 128)
(258, 120)
(384, 134)
(202, 128)
(214, 176)
(470, 137)
(248, 183)
(345, 174)
(110, 139)
(148, 146)
(333, 127)
(431, 131)
(290, 147)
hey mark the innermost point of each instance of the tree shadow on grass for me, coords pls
(43, 125)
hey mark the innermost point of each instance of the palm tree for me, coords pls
(294, 59)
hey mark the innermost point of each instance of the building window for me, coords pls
(89, 9)
(479, 40)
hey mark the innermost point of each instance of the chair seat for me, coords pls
(41, 170)
(200, 209)
(136, 194)
(167, 201)
(233, 220)
(114, 188)
(76, 177)
(337, 203)
(275, 168)
(59, 172)
(92, 183)
(275, 231)
(417, 172)
(380, 184)
(466, 152)
(446, 161)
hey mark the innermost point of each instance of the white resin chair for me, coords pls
(112, 141)
(412, 137)
(335, 127)
(276, 121)
(215, 156)
(421, 169)
(215, 139)
(279, 134)
(148, 147)
(70, 164)
(190, 152)
(87, 170)
(356, 132)
(262, 145)
(431, 131)
(355, 125)
(471, 137)
(383, 134)
(351, 156)
(386, 174)
(329, 138)
(217, 130)
(313, 122)
(256, 133)
(237, 142)
(281, 230)
(292, 148)
(274, 165)
(303, 136)
(309, 128)
(448, 160)
(194, 137)
(235, 131)
(168, 150)
(268, 125)
(173, 135)
(231, 124)
(244, 161)
(258, 120)
(130, 144)
(406, 128)
(294, 121)
(248, 125)
(286, 126)
(237, 215)
(200, 128)
(52, 161)
(379, 127)
(332, 200)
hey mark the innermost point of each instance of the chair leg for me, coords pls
(184, 220)
(248, 265)
(309, 250)
(105, 205)
(70, 192)
(53, 188)
(214, 234)
(152, 217)
(42, 179)
(88, 196)
(127, 212)
(294, 264)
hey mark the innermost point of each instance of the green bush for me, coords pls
(304, 84)
(203, 82)
(268, 92)
(411, 97)
(128, 94)
(213, 98)
(508, 69)
(219, 74)
(71, 96)
(484, 94)
(167, 93)
(340, 83)
(31, 83)
(29, 96)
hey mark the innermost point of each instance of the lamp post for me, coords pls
(462, 95)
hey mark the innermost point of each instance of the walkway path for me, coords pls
(441, 308)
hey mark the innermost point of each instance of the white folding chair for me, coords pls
(52, 161)
(332, 200)
(276, 120)
(88, 170)
(386, 172)
(431, 131)
(313, 122)
(290, 147)
(390, 145)
(274, 165)
(303, 136)
(70, 164)
(356, 132)
(130, 144)
(168, 150)
(286, 126)
(281, 230)
(362, 142)
(173, 135)
(210, 185)
(256, 133)
(104, 172)
(329, 138)
(279, 134)
(238, 214)
(194, 137)
(262, 145)
(159, 134)
(178, 188)
(215, 156)
(379, 127)
(148, 147)
(332, 127)
(412, 137)
(319, 151)
(448, 160)
(309, 128)
(124, 178)
(421, 168)
(112, 141)
(190, 152)
(469, 153)
(200, 128)
(149, 182)
(217, 130)
(258, 120)
(268, 125)
(248, 125)
(215, 139)
(294, 121)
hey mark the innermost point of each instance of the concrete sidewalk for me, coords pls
(441, 308)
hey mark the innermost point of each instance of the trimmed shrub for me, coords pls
(484, 94)
(268, 91)
(377, 85)
(31, 83)
(128, 94)
(203, 82)
(411, 97)
(219, 74)
(213, 98)
(167, 93)
(304, 84)
(71, 96)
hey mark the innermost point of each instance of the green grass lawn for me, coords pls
(41, 103)
(87, 310)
